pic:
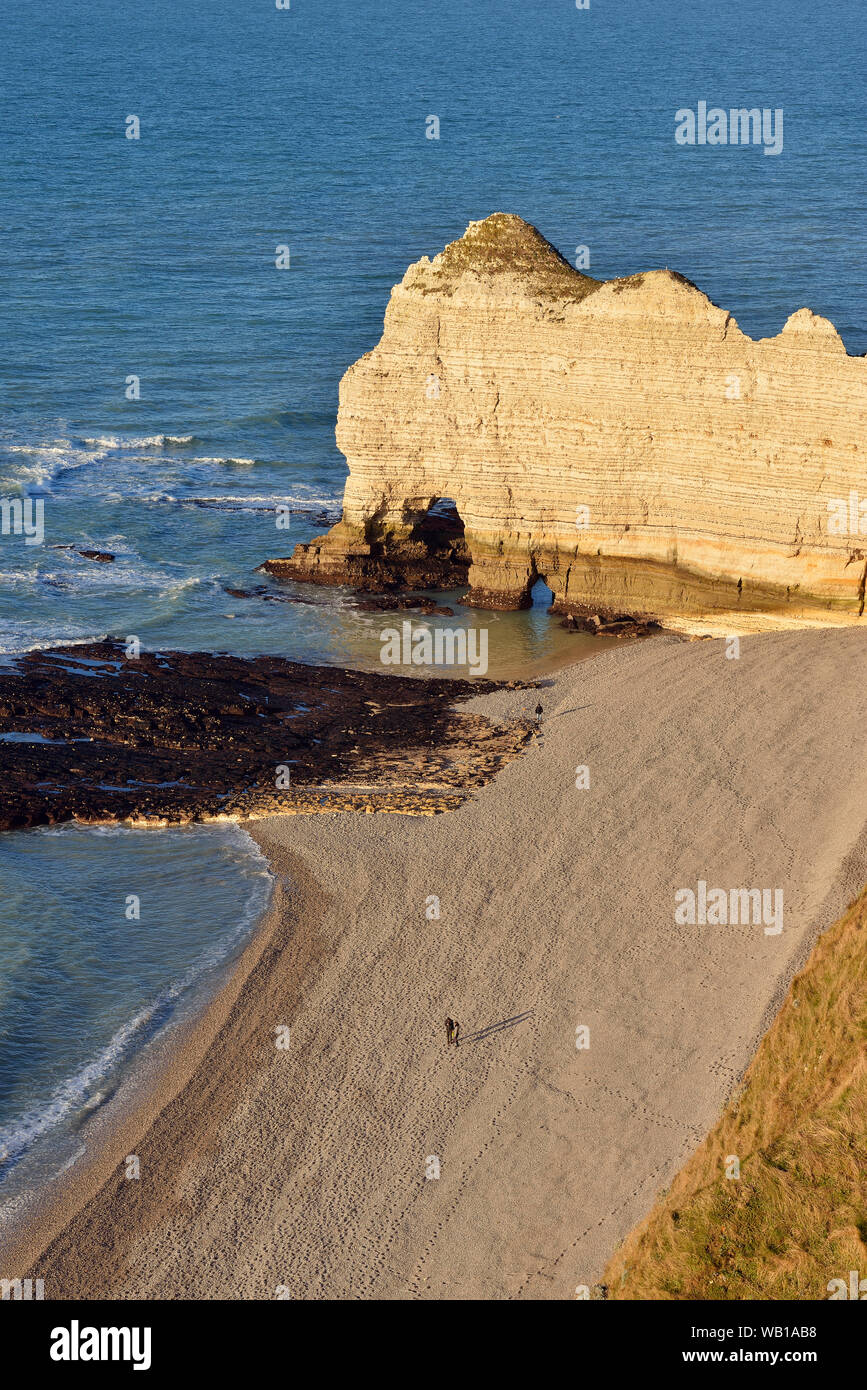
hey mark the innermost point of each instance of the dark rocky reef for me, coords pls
(610, 624)
(267, 595)
(103, 557)
(393, 603)
(90, 734)
(433, 555)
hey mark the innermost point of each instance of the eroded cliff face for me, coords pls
(623, 440)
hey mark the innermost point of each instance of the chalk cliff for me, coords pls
(623, 440)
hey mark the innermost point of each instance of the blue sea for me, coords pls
(155, 259)
(108, 935)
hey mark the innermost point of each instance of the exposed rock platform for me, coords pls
(90, 734)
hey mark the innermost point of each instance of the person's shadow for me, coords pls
(481, 1033)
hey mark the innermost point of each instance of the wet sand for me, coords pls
(305, 1168)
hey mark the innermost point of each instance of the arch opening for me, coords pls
(429, 550)
(541, 596)
(440, 526)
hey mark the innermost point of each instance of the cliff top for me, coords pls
(505, 244)
(503, 247)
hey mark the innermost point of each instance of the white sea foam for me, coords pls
(16, 638)
(147, 441)
(127, 572)
(246, 463)
(42, 463)
(72, 1093)
(58, 449)
(260, 501)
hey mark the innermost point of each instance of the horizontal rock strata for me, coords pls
(622, 440)
(90, 734)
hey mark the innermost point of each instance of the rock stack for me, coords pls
(622, 440)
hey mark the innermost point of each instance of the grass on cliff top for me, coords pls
(797, 1217)
(504, 243)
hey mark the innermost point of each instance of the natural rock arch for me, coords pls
(624, 439)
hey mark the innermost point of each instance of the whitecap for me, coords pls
(16, 638)
(246, 463)
(258, 501)
(147, 441)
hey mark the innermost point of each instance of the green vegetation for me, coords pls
(797, 1216)
(506, 244)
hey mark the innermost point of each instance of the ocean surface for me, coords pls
(107, 934)
(154, 258)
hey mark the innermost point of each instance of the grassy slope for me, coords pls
(797, 1217)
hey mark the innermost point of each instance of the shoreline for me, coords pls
(223, 1104)
(143, 1090)
(148, 1081)
(157, 1078)
(159, 1074)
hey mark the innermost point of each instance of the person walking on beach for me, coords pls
(456, 1030)
(450, 1028)
(538, 715)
